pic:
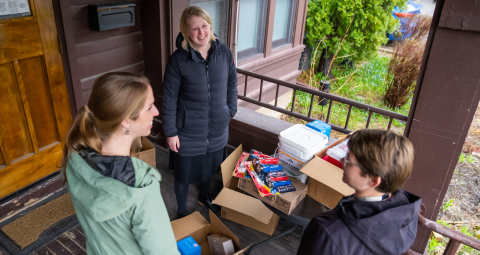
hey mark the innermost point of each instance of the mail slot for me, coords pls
(108, 16)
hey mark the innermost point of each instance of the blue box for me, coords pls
(321, 127)
(188, 246)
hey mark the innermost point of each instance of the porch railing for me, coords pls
(370, 109)
(456, 238)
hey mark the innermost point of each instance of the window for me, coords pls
(283, 24)
(251, 27)
(218, 11)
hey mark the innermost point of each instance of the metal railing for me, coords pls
(456, 238)
(313, 92)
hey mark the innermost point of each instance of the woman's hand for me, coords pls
(173, 143)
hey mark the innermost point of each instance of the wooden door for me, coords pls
(34, 106)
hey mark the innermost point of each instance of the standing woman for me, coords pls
(199, 99)
(116, 197)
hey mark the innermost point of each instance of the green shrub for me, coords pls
(329, 20)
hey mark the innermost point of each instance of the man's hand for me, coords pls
(173, 143)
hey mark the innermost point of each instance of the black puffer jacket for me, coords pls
(199, 98)
(364, 228)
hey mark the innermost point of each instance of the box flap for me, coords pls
(244, 204)
(241, 251)
(323, 152)
(220, 228)
(327, 174)
(190, 224)
(228, 165)
(146, 144)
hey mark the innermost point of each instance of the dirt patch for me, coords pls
(464, 187)
(461, 205)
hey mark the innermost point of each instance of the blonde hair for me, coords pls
(383, 154)
(184, 26)
(115, 97)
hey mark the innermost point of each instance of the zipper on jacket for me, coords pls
(209, 106)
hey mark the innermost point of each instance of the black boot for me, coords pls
(207, 201)
(180, 215)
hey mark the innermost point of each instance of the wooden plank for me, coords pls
(65, 28)
(56, 248)
(108, 44)
(270, 20)
(78, 11)
(14, 136)
(19, 40)
(29, 170)
(2, 161)
(26, 106)
(83, 33)
(177, 8)
(69, 242)
(154, 46)
(461, 15)
(106, 61)
(29, 198)
(86, 94)
(299, 22)
(40, 101)
(79, 236)
(53, 59)
(445, 106)
(86, 2)
(42, 251)
(232, 17)
(87, 83)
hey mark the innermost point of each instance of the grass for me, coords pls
(364, 83)
(463, 158)
(438, 246)
(447, 205)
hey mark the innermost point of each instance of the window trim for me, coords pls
(291, 22)
(252, 51)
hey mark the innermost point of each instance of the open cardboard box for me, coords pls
(285, 202)
(144, 150)
(198, 228)
(326, 185)
(241, 208)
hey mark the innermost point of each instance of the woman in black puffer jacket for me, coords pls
(199, 99)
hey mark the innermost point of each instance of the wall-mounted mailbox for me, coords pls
(108, 16)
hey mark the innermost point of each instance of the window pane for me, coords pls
(283, 24)
(251, 27)
(218, 11)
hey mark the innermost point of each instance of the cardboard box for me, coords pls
(285, 202)
(146, 152)
(220, 245)
(241, 208)
(326, 185)
(198, 228)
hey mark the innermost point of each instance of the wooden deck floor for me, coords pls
(73, 240)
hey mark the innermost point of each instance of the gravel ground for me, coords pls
(461, 205)
(464, 187)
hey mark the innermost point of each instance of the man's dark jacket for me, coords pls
(364, 228)
(199, 98)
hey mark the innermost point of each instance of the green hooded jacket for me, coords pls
(118, 219)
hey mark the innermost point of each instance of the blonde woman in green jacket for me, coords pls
(116, 197)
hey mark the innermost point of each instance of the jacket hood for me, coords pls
(104, 197)
(190, 51)
(373, 223)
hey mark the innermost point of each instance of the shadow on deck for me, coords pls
(73, 240)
